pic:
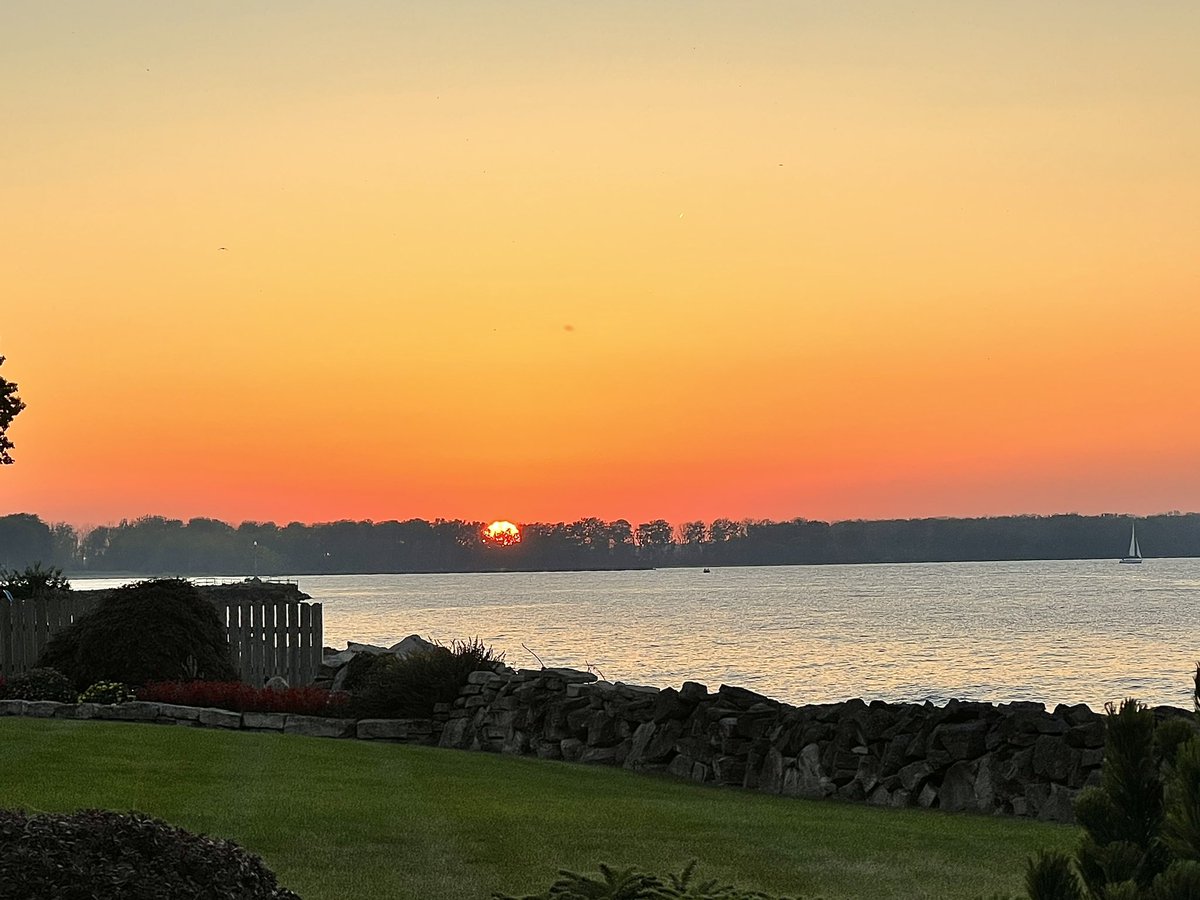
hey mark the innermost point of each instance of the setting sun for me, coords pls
(502, 534)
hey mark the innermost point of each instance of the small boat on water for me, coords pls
(1135, 552)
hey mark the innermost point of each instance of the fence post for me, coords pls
(6, 634)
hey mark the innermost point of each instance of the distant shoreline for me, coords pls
(294, 575)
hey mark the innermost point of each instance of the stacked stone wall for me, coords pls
(1008, 759)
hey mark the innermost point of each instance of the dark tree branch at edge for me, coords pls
(10, 406)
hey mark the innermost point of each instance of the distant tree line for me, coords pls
(157, 545)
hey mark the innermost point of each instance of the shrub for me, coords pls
(633, 885)
(149, 631)
(1170, 735)
(108, 692)
(1141, 825)
(33, 581)
(95, 853)
(238, 697)
(359, 668)
(40, 684)
(410, 687)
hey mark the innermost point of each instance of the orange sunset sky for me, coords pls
(541, 260)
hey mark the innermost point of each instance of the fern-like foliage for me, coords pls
(1181, 881)
(630, 884)
(1050, 876)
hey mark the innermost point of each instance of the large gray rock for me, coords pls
(43, 709)
(319, 726)
(806, 779)
(1051, 758)
(914, 775)
(264, 721)
(599, 756)
(771, 778)
(393, 729)
(957, 792)
(77, 711)
(964, 740)
(137, 711)
(456, 734)
(985, 784)
(641, 740)
(179, 713)
(414, 643)
(730, 770)
(339, 659)
(12, 707)
(339, 680)
(572, 749)
(220, 718)
(693, 691)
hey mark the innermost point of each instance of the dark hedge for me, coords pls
(161, 630)
(96, 854)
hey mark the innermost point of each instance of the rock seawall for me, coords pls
(1009, 759)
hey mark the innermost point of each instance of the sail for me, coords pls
(1133, 544)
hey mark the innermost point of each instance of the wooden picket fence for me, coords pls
(266, 637)
(273, 637)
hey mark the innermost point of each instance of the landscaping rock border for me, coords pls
(402, 731)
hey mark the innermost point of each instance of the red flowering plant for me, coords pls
(238, 697)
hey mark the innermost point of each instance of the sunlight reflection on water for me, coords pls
(1056, 632)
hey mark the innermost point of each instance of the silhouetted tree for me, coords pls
(157, 545)
(24, 538)
(654, 541)
(10, 405)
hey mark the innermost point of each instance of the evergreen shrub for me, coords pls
(410, 687)
(40, 684)
(99, 854)
(1141, 825)
(159, 630)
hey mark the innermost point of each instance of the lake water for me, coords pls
(1057, 632)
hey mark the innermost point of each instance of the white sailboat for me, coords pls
(1135, 552)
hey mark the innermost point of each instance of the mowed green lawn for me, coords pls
(337, 819)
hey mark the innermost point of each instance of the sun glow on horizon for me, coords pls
(502, 534)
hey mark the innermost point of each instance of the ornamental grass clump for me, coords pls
(159, 630)
(99, 854)
(411, 686)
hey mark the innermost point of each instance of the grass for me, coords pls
(339, 819)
